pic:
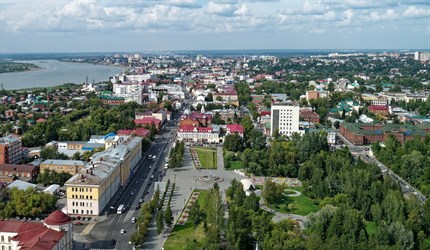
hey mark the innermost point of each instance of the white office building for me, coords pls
(285, 119)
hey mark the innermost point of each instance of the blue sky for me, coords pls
(127, 25)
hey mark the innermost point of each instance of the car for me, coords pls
(138, 207)
(133, 220)
(166, 166)
(112, 241)
(141, 200)
(17, 217)
(77, 223)
(131, 193)
(123, 231)
(152, 176)
(149, 156)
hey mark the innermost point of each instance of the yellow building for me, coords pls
(68, 166)
(90, 190)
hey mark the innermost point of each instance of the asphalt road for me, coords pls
(107, 233)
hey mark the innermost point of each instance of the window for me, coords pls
(91, 197)
(9, 238)
(86, 197)
(73, 203)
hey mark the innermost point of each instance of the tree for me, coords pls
(272, 192)
(76, 156)
(52, 153)
(196, 215)
(233, 142)
(209, 97)
(168, 216)
(160, 222)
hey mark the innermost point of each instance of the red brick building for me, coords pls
(26, 171)
(379, 110)
(148, 121)
(367, 133)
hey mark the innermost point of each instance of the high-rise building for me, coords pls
(284, 119)
(422, 56)
(10, 150)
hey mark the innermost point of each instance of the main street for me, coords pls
(107, 231)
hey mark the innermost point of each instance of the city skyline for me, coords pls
(95, 26)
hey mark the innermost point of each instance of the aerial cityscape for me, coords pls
(190, 124)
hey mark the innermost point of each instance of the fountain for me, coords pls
(210, 178)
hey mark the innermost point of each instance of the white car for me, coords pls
(122, 231)
(152, 176)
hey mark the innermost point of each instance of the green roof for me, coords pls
(407, 129)
(107, 97)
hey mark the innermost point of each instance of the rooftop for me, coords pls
(64, 162)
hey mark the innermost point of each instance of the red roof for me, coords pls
(191, 128)
(147, 120)
(377, 107)
(142, 132)
(57, 218)
(38, 238)
(233, 128)
(19, 168)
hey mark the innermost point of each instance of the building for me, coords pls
(54, 233)
(367, 133)
(284, 119)
(190, 133)
(69, 166)
(141, 132)
(379, 110)
(10, 150)
(148, 121)
(422, 56)
(160, 114)
(234, 128)
(26, 171)
(229, 98)
(309, 115)
(90, 190)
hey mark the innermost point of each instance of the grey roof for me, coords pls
(21, 185)
(64, 162)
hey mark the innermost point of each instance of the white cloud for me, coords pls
(221, 9)
(413, 11)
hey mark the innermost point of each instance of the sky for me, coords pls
(160, 25)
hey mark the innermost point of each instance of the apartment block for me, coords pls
(284, 119)
(10, 150)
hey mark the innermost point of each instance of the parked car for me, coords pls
(123, 231)
(77, 223)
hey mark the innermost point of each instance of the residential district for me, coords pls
(232, 152)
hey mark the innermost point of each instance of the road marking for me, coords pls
(88, 228)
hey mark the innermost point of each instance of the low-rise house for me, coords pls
(234, 128)
(26, 171)
(379, 110)
(69, 166)
(149, 121)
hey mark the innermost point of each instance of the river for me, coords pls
(54, 72)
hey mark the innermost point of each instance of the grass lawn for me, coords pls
(236, 165)
(207, 157)
(301, 205)
(185, 236)
(370, 227)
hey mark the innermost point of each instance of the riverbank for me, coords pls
(54, 73)
(15, 67)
